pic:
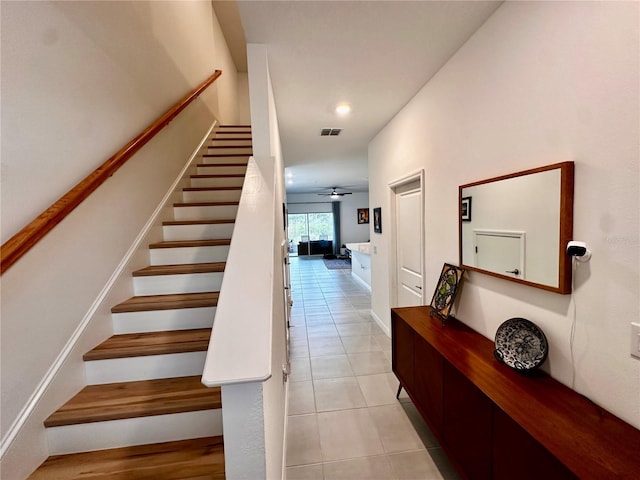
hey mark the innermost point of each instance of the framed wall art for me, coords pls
(377, 220)
(465, 209)
(445, 293)
(363, 215)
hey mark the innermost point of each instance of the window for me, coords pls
(316, 226)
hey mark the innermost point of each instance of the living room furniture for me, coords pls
(315, 247)
(495, 423)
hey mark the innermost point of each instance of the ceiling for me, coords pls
(374, 55)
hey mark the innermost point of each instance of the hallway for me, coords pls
(344, 420)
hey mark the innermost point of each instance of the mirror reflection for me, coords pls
(516, 226)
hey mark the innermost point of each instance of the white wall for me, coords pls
(244, 111)
(350, 230)
(539, 83)
(79, 80)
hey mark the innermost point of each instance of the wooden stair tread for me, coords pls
(182, 269)
(191, 243)
(220, 175)
(144, 344)
(234, 126)
(144, 398)
(217, 155)
(174, 301)
(204, 204)
(231, 139)
(199, 222)
(230, 146)
(221, 165)
(210, 189)
(201, 458)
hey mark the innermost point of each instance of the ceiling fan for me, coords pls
(334, 195)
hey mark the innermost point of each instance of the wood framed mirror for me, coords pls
(517, 226)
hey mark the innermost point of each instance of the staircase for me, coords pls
(144, 413)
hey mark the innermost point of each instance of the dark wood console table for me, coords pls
(496, 423)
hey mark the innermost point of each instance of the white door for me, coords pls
(409, 245)
(500, 252)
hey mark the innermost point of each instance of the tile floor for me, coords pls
(344, 419)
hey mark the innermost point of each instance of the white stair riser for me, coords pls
(216, 212)
(232, 141)
(161, 320)
(230, 151)
(88, 437)
(218, 160)
(218, 170)
(217, 182)
(148, 367)
(213, 231)
(179, 256)
(186, 283)
(211, 196)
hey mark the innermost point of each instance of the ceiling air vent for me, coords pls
(330, 132)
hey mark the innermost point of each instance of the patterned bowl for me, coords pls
(520, 344)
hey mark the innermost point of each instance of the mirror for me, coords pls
(517, 226)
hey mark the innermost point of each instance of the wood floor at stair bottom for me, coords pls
(201, 459)
(151, 343)
(147, 303)
(143, 398)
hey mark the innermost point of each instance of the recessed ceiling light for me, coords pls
(290, 182)
(343, 108)
(289, 175)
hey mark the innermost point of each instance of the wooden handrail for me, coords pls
(14, 248)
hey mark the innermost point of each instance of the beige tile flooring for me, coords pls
(344, 419)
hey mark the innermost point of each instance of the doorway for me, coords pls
(407, 202)
(310, 233)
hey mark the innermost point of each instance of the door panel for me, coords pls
(501, 252)
(409, 244)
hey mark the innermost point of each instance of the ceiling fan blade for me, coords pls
(334, 193)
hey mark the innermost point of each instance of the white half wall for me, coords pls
(538, 83)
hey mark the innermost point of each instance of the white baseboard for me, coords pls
(48, 378)
(381, 324)
(361, 281)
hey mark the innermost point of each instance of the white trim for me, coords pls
(381, 324)
(409, 178)
(286, 425)
(42, 387)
